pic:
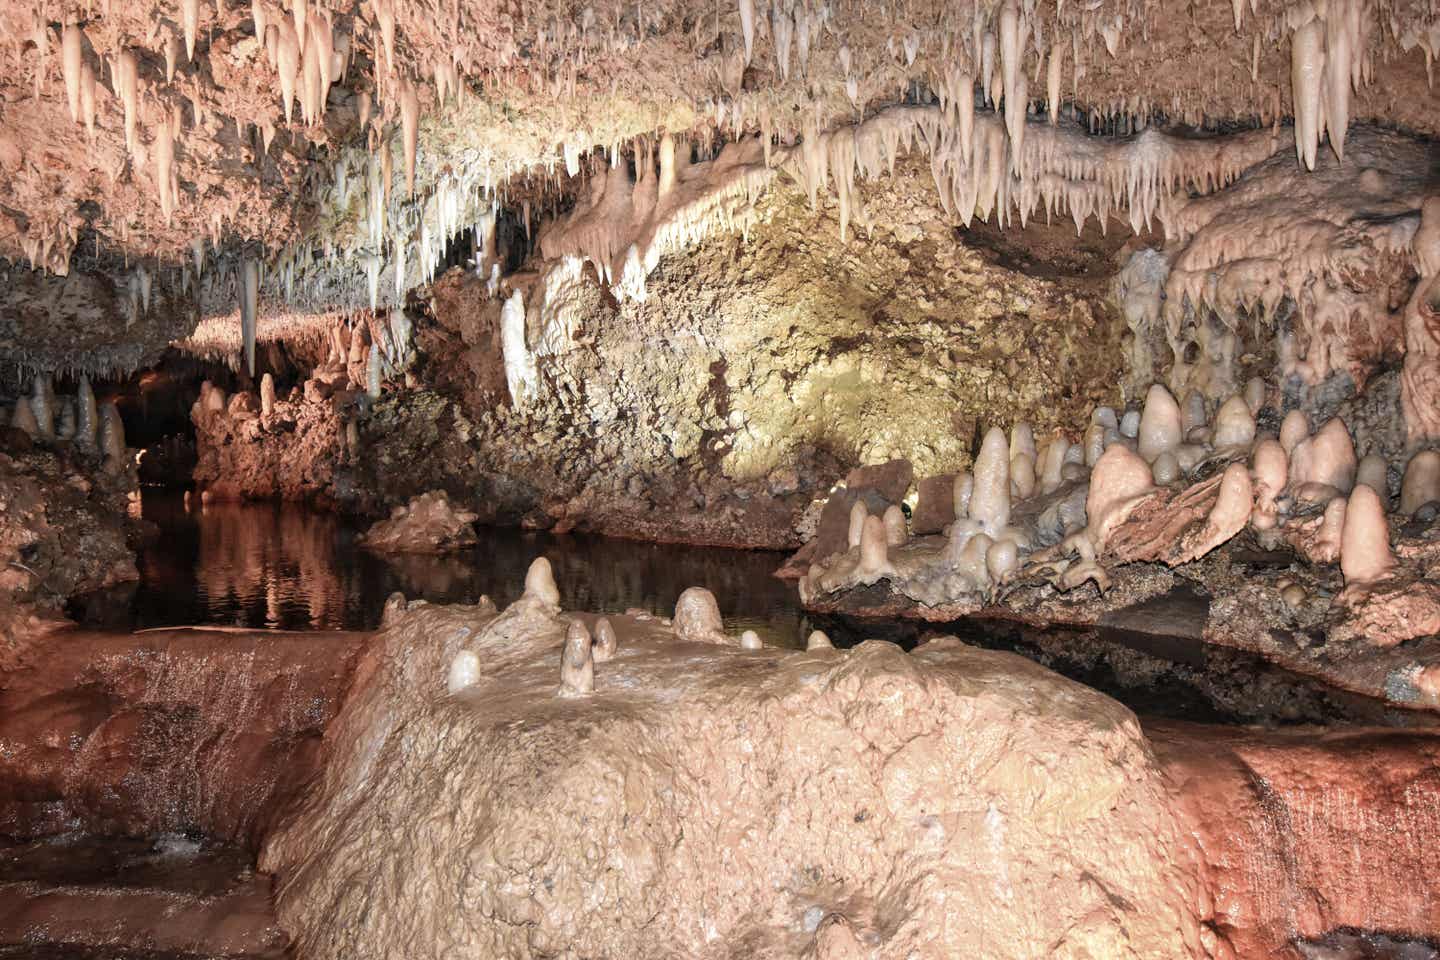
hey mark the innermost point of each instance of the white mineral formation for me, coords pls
(373, 378)
(267, 395)
(1326, 459)
(874, 549)
(605, 644)
(1052, 465)
(990, 501)
(1326, 548)
(1166, 469)
(1022, 476)
(818, 640)
(577, 662)
(1001, 560)
(1421, 484)
(521, 375)
(70, 63)
(464, 671)
(1234, 425)
(1294, 429)
(972, 563)
(895, 531)
(858, 513)
(697, 616)
(1130, 424)
(1120, 480)
(1232, 510)
(1159, 429)
(1094, 443)
(1022, 441)
(750, 640)
(540, 583)
(1365, 544)
(1269, 469)
(961, 492)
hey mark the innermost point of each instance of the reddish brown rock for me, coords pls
(935, 505)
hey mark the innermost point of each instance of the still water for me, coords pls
(290, 567)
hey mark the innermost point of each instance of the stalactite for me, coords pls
(249, 308)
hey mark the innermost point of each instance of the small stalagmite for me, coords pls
(577, 662)
(1293, 430)
(87, 416)
(605, 645)
(1326, 548)
(1374, 473)
(1119, 478)
(1159, 430)
(961, 492)
(1421, 484)
(540, 583)
(42, 406)
(750, 640)
(990, 499)
(267, 395)
(1269, 470)
(874, 548)
(818, 640)
(858, 513)
(894, 520)
(112, 438)
(1002, 560)
(1234, 424)
(1326, 459)
(1365, 543)
(1052, 465)
(1022, 476)
(697, 616)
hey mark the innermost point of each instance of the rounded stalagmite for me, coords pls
(540, 583)
(605, 642)
(577, 662)
(697, 616)
(818, 640)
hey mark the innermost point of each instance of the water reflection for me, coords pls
(286, 566)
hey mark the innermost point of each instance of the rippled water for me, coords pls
(288, 566)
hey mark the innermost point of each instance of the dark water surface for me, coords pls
(287, 566)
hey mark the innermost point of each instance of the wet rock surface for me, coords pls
(594, 823)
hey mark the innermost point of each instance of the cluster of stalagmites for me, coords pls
(696, 620)
(76, 423)
(1165, 483)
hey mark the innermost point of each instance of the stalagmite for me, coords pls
(577, 662)
(1022, 476)
(750, 640)
(1365, 544)
(895, 531)
(990, 501)
(267, 395)
(697, 617)
(1374, 473)
(1307, 68)
(874, 552)
(65, 422)
(1094, 443)
(464, 672)
(71, 54)
(1293, 429)
(373, 378)
(1421, 484)
(249, 309)
(540, 583)
(605, 645)
(963, 489)
(1022, 441)
(818, 640)
(1120, 478)
(1234, 424)
(87, 418)
(1269, 470)
(1232, 510)
(410, 129)
(858, 513)
(1326, 548)
(1255, 395)
(112, 438)
(1159, 429)
(1001, 560)
(1052, 464)
(42, 407)
(1166, 469)
(1325, 459)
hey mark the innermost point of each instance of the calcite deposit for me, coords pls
(429, 523)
